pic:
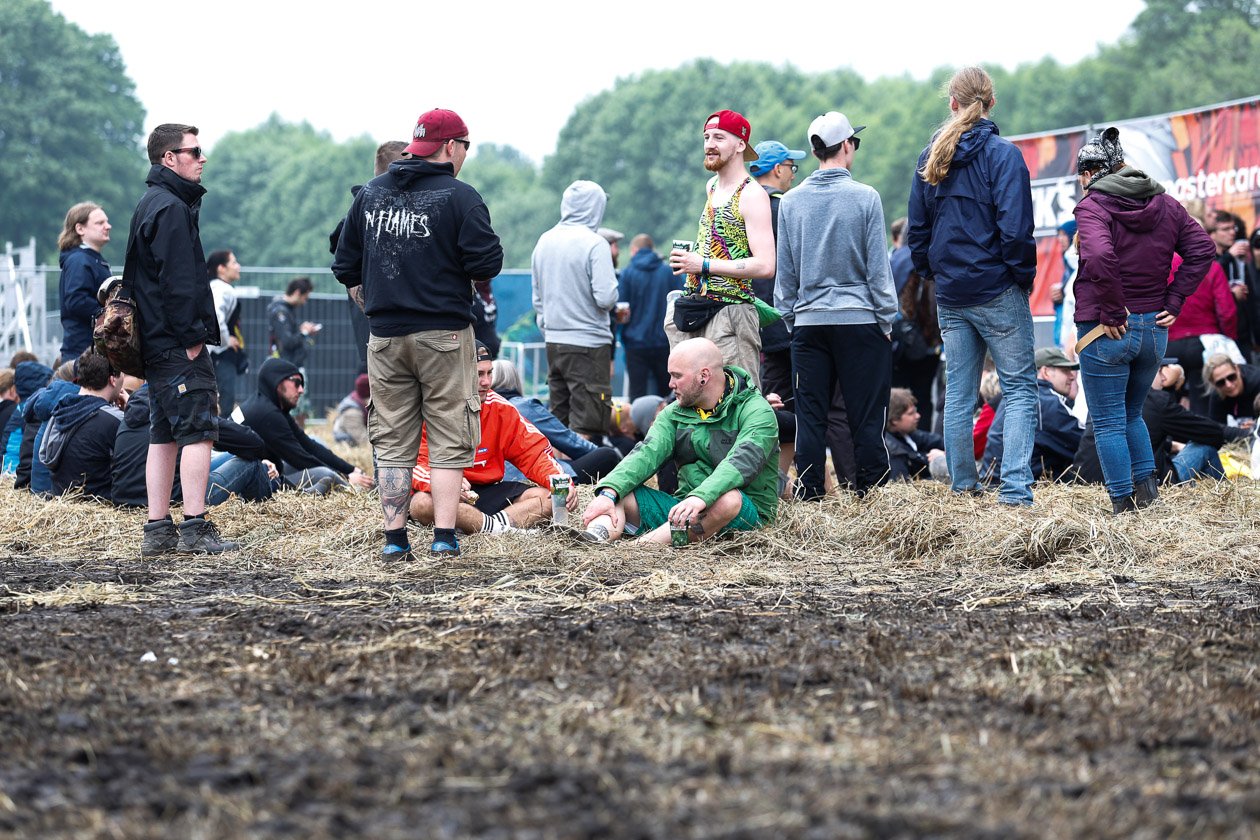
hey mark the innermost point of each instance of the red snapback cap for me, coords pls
(434, 128)
(733, 122)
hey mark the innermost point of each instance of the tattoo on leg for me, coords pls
(394, 486)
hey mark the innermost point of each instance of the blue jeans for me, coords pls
(1116, 375)
(1198, 460)
(230, 475)
(1004, 326)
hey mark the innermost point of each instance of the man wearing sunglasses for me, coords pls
(166, 275)
(415, 241)
(835, 290)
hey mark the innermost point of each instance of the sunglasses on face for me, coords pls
(195, 151)
(857, 141)
(1226, 379)
(791, 166)
(298, 381)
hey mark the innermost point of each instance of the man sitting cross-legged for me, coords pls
(487, 502)
(724, 437)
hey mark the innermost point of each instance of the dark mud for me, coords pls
(289, 707)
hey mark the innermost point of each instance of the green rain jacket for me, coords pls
(734, 448)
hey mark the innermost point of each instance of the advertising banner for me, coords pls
(1211, 154)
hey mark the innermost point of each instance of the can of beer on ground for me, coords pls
(559, 497)
(678, 535)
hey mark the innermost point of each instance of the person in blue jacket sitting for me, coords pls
(583, 460)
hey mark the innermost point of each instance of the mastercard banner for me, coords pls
(1212, 154)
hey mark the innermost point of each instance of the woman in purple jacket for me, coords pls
(1129, 229)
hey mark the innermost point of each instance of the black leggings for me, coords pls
(593, 466)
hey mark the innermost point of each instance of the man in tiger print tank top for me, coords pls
(735, 244)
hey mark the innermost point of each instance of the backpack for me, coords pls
(116, 333)
(916, 334)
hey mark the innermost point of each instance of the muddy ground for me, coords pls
(579, 693)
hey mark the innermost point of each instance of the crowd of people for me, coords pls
(786, 331)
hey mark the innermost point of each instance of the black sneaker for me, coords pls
(160, 537)
(200, 536)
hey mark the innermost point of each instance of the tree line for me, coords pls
(71, 130)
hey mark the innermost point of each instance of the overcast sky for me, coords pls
(515, 71)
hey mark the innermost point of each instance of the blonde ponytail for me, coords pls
(972, 89)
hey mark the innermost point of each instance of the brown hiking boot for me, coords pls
(200, 536)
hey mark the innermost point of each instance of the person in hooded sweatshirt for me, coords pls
(575, 287)
(414, 243)
(28, 377)
(304, 461)
(970, 227)
(38, 414)
(79, 444)
(1128, 230)
(643, 285)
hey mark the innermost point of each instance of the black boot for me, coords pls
(1146, 491)
(1123, 504)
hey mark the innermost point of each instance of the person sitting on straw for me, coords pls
(486, 501)
(725, 438)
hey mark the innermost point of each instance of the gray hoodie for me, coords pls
(832, 257)
(575, 286)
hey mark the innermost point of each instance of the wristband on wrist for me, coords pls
(704, 267)
(607, 493)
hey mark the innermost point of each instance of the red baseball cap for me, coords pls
(733, 122)
(434, 128)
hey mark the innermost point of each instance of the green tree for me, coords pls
(275, 193)
(521, 208)
(70, 128)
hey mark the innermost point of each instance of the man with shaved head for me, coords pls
(725, 439)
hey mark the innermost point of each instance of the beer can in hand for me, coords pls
(678, 535)
(560, 488)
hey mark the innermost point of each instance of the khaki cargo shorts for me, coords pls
(429, 378)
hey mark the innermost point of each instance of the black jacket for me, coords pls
(79, 445)
(416, 238)
(287, 340)
(131, 450)
(908, 462)
(166, 267)
(1243, 405)
(1166, 421)
(287, 445)
(1055, 442)
(83, 270)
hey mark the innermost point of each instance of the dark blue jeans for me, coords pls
(230, 475)
(648, 369)
(225, 375)
(1116, 375)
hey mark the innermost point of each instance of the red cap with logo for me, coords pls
(434, 128)
(733, 122)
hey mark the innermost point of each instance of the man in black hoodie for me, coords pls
(302, 460)
(414, 242)
(79, 443)
(166, 274)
